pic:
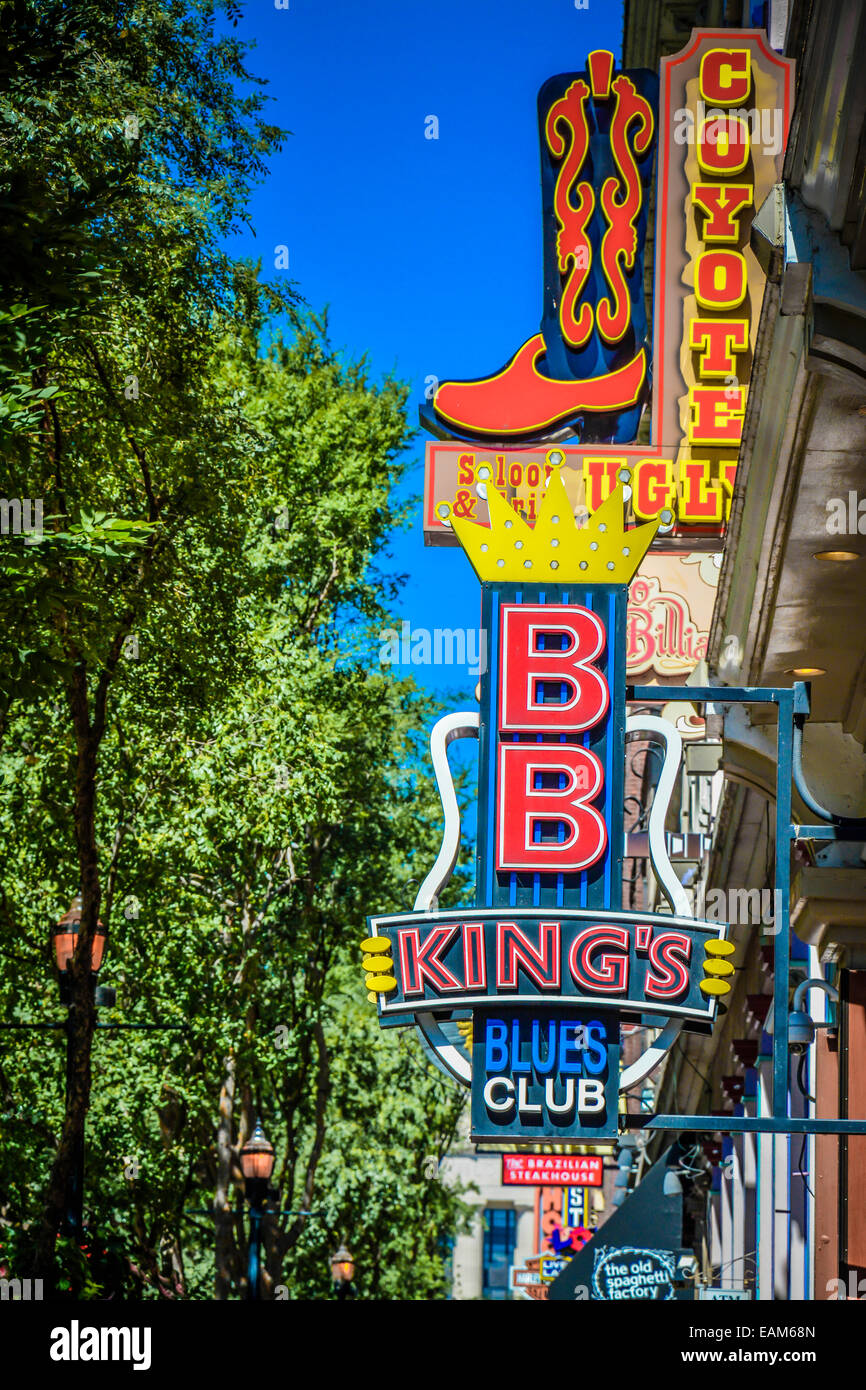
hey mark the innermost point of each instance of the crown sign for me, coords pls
(556, 549)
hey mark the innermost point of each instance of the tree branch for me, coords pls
(152, 502)
(310, 622)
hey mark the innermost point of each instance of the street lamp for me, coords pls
(65, 937)
(343, 1271)
(257, 1165)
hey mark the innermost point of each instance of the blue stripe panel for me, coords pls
(613, 676)
(586, 601)
(493, 642)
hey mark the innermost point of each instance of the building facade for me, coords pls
(785, 1214)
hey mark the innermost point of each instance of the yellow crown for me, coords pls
(556, 550)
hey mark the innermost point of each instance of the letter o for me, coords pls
(720, 279)
(727, 150)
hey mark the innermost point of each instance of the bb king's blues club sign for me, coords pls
(521, 995)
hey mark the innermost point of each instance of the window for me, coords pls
(500, 1234)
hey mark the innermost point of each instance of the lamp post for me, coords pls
(257, 1165)
(65, 938)
(343, 1272)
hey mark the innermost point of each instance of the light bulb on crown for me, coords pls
(556, 550)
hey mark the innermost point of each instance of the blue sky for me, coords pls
(428, 252)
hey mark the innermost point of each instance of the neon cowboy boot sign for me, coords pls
(585, 372)
(573, 392)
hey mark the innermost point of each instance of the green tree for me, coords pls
(129, 136)
(188, 728)
(242, 839)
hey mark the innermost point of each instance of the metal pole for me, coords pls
(782, 923)
(75, 1189)
(254, 1251)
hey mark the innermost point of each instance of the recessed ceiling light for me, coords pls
(839, 555)
(806, 671)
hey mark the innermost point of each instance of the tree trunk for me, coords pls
(82, 1014)
(223, 1218)
(323, 1091)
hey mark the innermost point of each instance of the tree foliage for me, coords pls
(189, 728)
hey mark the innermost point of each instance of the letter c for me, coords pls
(499, 1107)
(725, 76)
